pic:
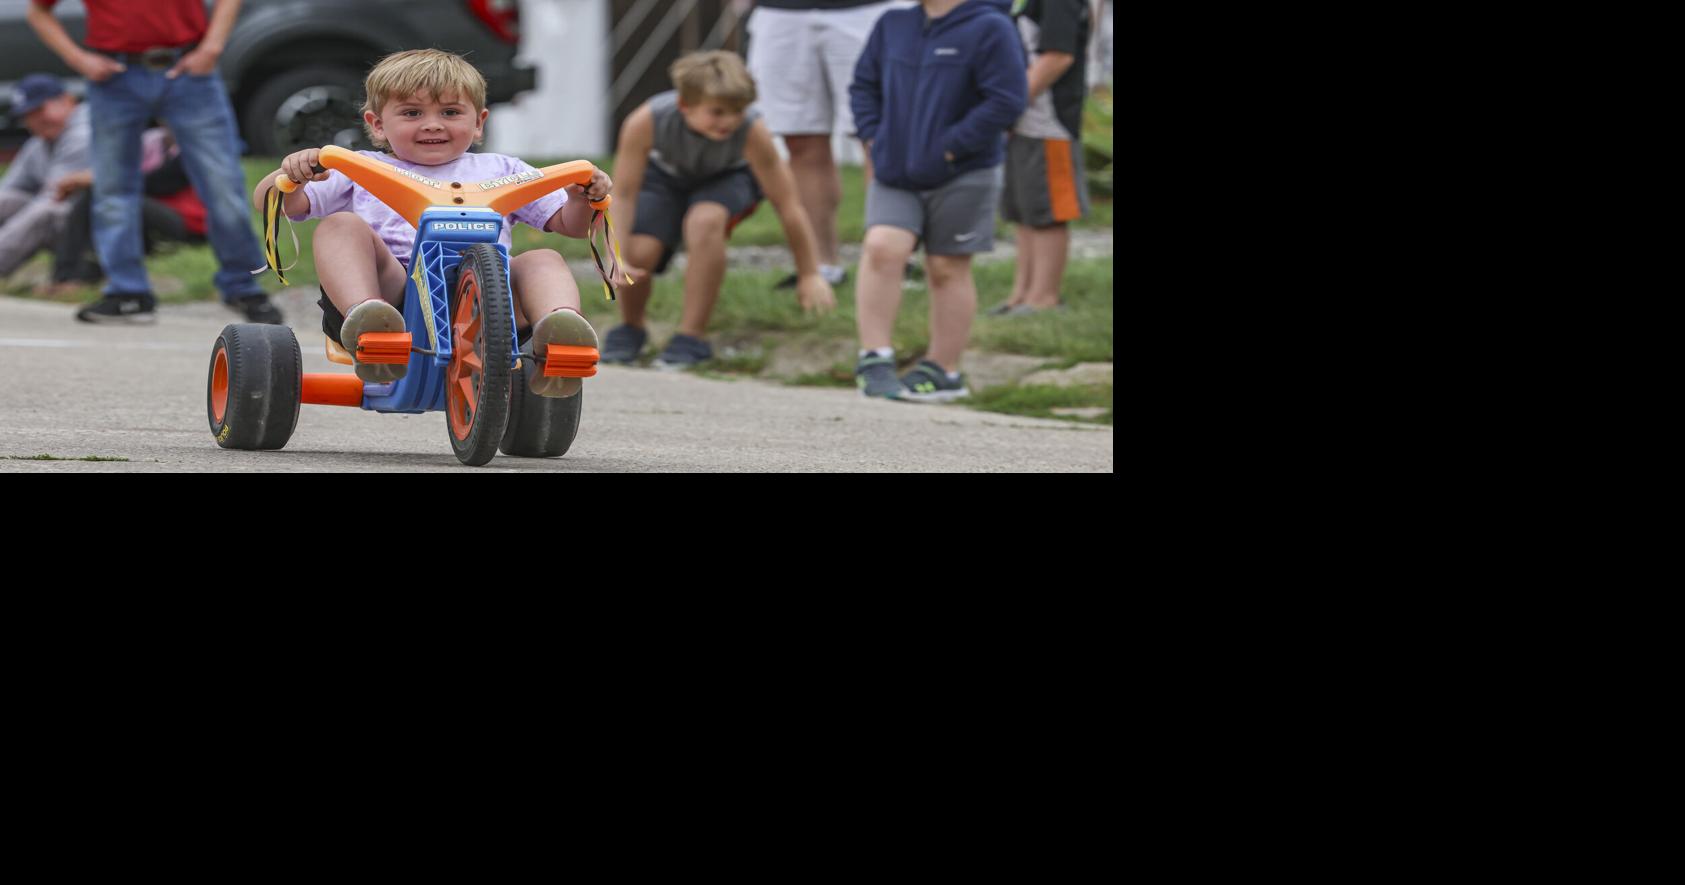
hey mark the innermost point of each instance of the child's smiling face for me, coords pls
(426, 130)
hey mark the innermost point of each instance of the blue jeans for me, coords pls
(200, 116)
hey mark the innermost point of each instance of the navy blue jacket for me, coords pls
(926, 87)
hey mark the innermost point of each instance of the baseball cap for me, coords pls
(33, 91)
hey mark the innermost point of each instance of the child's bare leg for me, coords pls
(704, 228)
(953, 303)
(642, 251)
(883, 262)
(547, 297)
(353, 264)
(543, 284)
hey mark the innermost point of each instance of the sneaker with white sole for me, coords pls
(564, 327)
(135, 310)
(373, 316)
(929, 383)
(875, 376)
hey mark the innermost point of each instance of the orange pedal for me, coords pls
(384, 348)
(564, 361)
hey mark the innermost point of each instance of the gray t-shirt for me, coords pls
(41, 163)
(689, 155)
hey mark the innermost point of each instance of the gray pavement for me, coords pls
(71, 390)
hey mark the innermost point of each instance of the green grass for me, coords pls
(1039, 401)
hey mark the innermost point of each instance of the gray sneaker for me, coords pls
(875, 376)
(684, 352)
(928, 383)
(623, 344)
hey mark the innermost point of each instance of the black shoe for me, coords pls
(683, 352)
(623, 344)
(119, 309)
(257, 309)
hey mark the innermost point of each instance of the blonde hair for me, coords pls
(403, 74)
(717, 75)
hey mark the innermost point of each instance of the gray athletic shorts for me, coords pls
(957, 218)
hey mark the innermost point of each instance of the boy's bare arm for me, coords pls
(574, 219)
(1047, 69)
(779, 185)
(637, 139)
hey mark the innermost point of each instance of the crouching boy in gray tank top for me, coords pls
(699, 160)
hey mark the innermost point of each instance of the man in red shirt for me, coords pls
(158, 60)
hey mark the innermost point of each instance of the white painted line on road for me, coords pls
(68, 344)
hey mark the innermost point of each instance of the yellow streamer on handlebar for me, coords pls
(271, 237)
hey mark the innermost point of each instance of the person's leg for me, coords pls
(961, 224)
(643, 251)
(547, 297)
(27, 227)
(120, 108)
(953, 303)
(705, 239)
(198, 112)
(1048, 248)
(73, 259)
(819, 187)
(883, 262)
(354, 265)
(1022, 274)
(160, 224)
(543, 284)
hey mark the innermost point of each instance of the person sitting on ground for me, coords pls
(699, 160)
(428, 107)
(171, 212)
(32, 215)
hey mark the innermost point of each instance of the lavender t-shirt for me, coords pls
(341, 194)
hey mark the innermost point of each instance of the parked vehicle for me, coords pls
(295, 68)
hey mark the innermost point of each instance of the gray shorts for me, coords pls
(957, 218)
(1045, 182)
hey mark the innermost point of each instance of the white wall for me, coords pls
(567, 116)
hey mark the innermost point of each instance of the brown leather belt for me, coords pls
(158, 58)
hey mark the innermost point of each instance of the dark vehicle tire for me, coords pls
(253, 394)
(539, 426)
(306, 108)
(478, 380)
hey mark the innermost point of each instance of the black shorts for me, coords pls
(664, 200)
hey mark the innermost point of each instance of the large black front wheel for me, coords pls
(477, 382)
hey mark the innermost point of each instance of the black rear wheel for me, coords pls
(255, 387)
(539, 426)
(478, 380)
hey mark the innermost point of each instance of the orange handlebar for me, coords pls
(409, 193)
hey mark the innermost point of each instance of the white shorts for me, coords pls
(803, 60)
